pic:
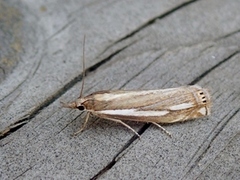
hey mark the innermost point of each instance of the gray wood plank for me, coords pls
(129, 45)
(52, 39)
(198, 148)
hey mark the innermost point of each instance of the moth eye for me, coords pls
(81, 108)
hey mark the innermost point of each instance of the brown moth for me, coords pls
(152, 106)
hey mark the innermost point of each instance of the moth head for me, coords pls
(78, 104)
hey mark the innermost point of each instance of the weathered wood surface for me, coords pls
(129, 45)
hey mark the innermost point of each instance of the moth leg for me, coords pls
(127, 126)
(84, 125)
(164, 130)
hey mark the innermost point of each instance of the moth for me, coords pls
(153, 106)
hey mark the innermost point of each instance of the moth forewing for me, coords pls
(160, 106)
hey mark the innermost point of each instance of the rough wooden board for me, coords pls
(52, 40)
(196, 149)
(197, 43)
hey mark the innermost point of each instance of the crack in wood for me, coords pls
(118, 156)
(26, 118)
(212, 68)
(206, 148)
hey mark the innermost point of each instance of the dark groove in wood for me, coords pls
(116, 158)
(212, 68)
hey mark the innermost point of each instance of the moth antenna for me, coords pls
(83, 65)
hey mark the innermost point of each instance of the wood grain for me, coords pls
(129, 45)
